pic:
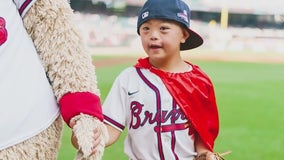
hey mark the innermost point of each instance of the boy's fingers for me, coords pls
(74, 141)
(97, 142)
(96, 133)
(72, 123)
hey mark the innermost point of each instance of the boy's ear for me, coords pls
(185, 35)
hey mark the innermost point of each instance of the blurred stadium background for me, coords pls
(236, 25)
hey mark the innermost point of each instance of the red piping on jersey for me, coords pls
(194, 93)
(173, 141)
(118, 125)
(72, 104)
(159, 110)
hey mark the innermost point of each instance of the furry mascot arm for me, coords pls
(69, 69)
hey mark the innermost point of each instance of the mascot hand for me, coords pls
(89, 137)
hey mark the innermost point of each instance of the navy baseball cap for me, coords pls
(175, 10)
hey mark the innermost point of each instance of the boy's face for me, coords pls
(161, 39)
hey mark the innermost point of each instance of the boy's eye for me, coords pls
(145, 28)
(164, 28)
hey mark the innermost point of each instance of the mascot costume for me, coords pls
(46, 76)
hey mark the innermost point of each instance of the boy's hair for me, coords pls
(175, 10)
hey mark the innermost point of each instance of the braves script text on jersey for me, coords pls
(27, 103)
(156, 126)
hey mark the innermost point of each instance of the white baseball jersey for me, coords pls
(156, 126)
(27, 103)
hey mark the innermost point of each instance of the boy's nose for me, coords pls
(154, 35)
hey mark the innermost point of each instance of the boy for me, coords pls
(167, 104)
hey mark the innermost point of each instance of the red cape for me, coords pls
(194, 93)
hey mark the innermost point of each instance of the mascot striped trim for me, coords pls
(23, 5)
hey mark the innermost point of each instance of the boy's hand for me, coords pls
(211, 156)
(207, 156)
(74, 139)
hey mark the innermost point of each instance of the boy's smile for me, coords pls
(155, 47)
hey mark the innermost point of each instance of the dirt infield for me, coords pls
(123, 55)
(121, 60)
(114, 61)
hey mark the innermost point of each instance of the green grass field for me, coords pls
(250, 98)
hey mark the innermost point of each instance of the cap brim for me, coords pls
(193, 41)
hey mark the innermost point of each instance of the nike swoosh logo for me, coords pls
(131, 93)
